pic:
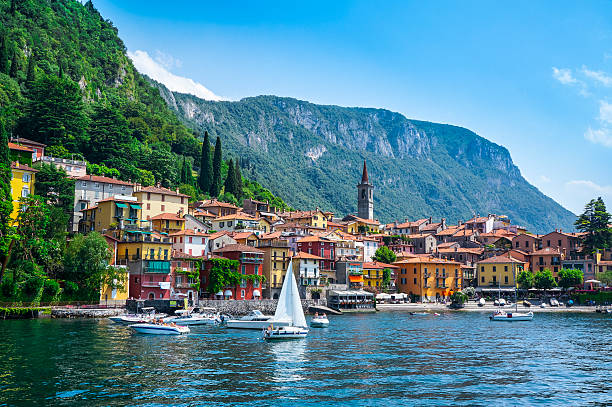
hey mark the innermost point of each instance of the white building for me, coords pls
(190, 242)
(240, 222)
(73, 168)
(307, 269)
(369, 248)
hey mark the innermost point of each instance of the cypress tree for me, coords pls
(4, 57)
(6, 200)
(13, 7)
(215, 186)
(230, 179)
(183, 175)
(238, 181)
(31, 72)
(61, 71)
(14, 65)
(205, 178)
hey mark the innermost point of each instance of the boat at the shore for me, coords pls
(187, 317)
(160, 329)
(148, 314)
(255, 320)
(319, 321)
(289, 309)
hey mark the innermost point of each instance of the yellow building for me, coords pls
(158, 200)
(118, 212)
(143, 245)
(110, 293)
(373, 273)
(276, 260)
(314, 218)
(499, 271)
(168, 223)
(428, 278)
(356, 225)
(22, 185)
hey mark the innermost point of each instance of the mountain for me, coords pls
(312, 155)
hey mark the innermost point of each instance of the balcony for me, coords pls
(162, 267)
(251, 259)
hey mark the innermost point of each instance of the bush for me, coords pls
(8, 288)
(51, 289)
(32, 285)
(70, 290)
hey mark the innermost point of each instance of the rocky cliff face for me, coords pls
(312, 156)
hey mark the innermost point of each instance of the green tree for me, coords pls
(525, 279)
(605, 277)
(239, 189)
(205, 178)
(31, 72)
(108, 133)
(87, 264)
(215, 186)
(223, 274)
(6, 200)
(53, 184)
(386, 277)
(570, 278)
(14, 65)
(544, 280)
(594, 222)
(55, 114)
(384, 255)
(230, 179)
(4, 55)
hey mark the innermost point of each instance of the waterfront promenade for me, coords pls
(473, 307)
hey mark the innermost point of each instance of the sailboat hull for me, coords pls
(283, 333)
(510, 317)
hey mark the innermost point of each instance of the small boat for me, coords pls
(481, 302)
(255, 320)
(148, 314)
(160, 329)
(500, 315)
(420, 313)
(186, 317)
(289, 309)
(319, 321)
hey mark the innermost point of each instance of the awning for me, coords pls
(164, 285)
(135, 206)
(121, 205)
(256, 293)
(228, 293)
(356, 279)
(220, 294)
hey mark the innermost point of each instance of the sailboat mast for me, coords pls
(515, 289)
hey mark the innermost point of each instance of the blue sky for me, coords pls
(535, 77)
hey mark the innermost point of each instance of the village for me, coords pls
(171, 248)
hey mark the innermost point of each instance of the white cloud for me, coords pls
(564, 76)
(148, 66)
(601, 136)
(598, 76)
(579, 192)
(167, 60)
(544, 178)
(590, 185)
(605, 111)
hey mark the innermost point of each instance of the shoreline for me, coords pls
(472, 307)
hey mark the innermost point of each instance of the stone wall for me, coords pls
(86, 312)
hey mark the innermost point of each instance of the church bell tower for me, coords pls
(365, 199)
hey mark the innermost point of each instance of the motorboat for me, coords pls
(289, 309)
(148, 314)
(481, 302)
(500, 302)
(419, 314)
(500, 315)
(186, 317)
(160, 329)
(255, 320)
(554, 302)
(319, 321)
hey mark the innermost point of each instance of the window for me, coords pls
(163, 207)
(415, 281)
(84, 184)
(123, 188)
(243, 283)
(96, 185)
(221, 224)
(482, 279)
(548, 243)
(506, 279)
(243, 271)
(505, 268)
(494, 269)
(148, 206)
(148, 196)
(255, 284)
(26, 177)
(241, 293)
(25, 191)
(559, 243)
(163, 198)
(110, 187)
(152, 254)
(83, 205)
(526, 244)
(178, 280)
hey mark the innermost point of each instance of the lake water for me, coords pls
(389, 358)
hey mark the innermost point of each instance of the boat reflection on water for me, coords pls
(289, 361)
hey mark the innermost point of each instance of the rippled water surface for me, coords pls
(382, 359)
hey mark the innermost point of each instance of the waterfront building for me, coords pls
(373, 274)
(275, 263)
(527, 242)
(365, 196)
(250, 263)
(322, 247)
(116, 212)
(547, 258)
(22, 185)
(190, 243)
(351, 301)
(498, 272)
(91, 189)
(156, 200)
(183, 277)
(428, 278)
(307, 269)
(168, 223)
(349, 273)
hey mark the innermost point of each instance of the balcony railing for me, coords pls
(251, 259)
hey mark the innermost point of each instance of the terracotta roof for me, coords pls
(503, 258)
(238, 248)
(13, 146)
(418, 235)
(167, 216)
(451, 230)
(22, 167)
(188, 232)
(180, 255)
(411, 224)
(447, 245)
(236, 216)
(307, 239)
(461, 250)
(547, 251)
(102, 179)
(366, 221)
(301, 214)
(268, 236)
(241, 235)
(334, 224)
(428, 259)
(479, 219)
(28, 141)
(161, 191)
(216, 235)
(303, 255)
(431, 227)
(203, 212)
(465, 232)
(376, 265)
(217, 204)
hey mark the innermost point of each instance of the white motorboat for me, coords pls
(186, 317)
(160, 329)
(255, 320)
(289, 309)
(481, 302)
(319, 321)
(500, 315)
(148, 315)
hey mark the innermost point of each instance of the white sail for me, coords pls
(289, 307)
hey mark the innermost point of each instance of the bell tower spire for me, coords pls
(365, 197)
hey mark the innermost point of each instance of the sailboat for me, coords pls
(500, 315)
(288, 310)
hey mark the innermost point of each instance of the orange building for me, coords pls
(428, 278)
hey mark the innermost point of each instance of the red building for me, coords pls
(150, 279)
(319, 246)
(250, 263)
